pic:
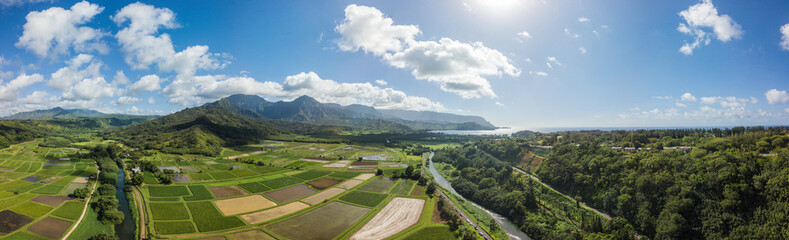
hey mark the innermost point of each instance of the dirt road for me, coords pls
(481, 231)
(84, 209)
(546, 185)
(138, 200)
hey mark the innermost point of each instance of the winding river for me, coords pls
(509, 227)
(125, 230)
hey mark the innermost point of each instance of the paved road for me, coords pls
(546, 185)
(84, 209)
(481, 231)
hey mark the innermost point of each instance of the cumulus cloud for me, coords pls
(583, 19)
(10, 90)
(144, 46)
(541, 74)
(151, 100)
(553, 60)
(381, 82)
(523, 36)
(499, 104)
(458, 67)
(120, 78)
(56, 30)
(785, 36)
(702, 16)
(147, 83)
(81, 79)
(774, 96)
(582, 50)
(688, 97)
(9, 3)
(679, 104)
(126, 100)
(368, 29)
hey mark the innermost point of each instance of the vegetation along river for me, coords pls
(125, 230)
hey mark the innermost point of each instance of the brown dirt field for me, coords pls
(324, 182)
(362, 170)
(50, 227)
(349, 184)
(399, 214)
(227, 191)
(51, 200)
(235, 206)
(318, 198)
(436, 218)
(363, 163)
(364, 176)
(11, 221)
(339, 164)
(418, 191)
(290, 193)
(265, 215)
(251, 235)
(80, 180)
(211, 238)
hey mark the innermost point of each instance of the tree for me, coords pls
(409, 171)
(103, 236)
(379, 172)
(81, 192)
(106, 190)
(430, 189)
(136, 179)
(111, 217)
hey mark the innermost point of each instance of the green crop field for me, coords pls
(221, 175)
(174, 227)
(169, 211)
(208, 218)
(379, 184)
(168, 191)
(199, 192)
(364, 198)
(69, 210)
(254, 187)
(344, 175)
(433, 232)
(281, 182)
(32, 209)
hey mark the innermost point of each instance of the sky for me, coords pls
(518, 63)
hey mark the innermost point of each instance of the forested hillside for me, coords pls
(720, 189)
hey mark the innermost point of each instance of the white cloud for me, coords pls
(776, 97)
(663, 97)
(143, 47)
(688, 97)
(120, 79)
(583, 19)
(541, 74)
(126, 100)
(458, 67)
(381, 82)
(528, 60)
(570, 34)
(678, 104)
(499, 104)
(147, 83)
(523, 35)
(553, 59)
(56, 30)
(705, 15)
(368, 29)
(785, 36)
(786, 110)
(709, 100)
(81, 80)
(10, 90)
(9, 3)
(582, 50)
(151, 100)
(549, 65)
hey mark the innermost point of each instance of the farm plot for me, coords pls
(32, 209)
(50, 227)
(344, 175)
(403, 187)
(398, 215)
(254, 187)
(169, 211)
(207, 218)
(51, 200)
(364, 198)
(235, 206)
(380, 184)
(290, 194)
(281, 182)
(11, 221)
(323, 223)
(227, 191)
(338, 164)
(364, 176)
(265, 215)
(321, 196)
(349, 184)
(174, 227)
(324, 182)
(168, 191)
(251, 235)
(70, 210)
(309, 175)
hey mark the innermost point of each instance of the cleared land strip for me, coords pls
(318, 198)
(398, 215)
(549, 187)
(235, 206)
(84, 209)
(262, 216)
(244, 155)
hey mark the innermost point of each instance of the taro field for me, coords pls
(276, 190)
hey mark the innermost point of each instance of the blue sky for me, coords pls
(521, 63)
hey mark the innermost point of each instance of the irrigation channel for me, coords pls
(125, 230)
(509, 227)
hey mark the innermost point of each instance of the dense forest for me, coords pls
(730, 184)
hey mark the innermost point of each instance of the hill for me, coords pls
(60, 113)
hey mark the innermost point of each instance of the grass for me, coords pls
(281, 182)
(148, 178)
(32, 209)
(222, 175)
(91, 226)
(169, 211)
(49, 189)
(403, 187)
(254, 187)
(168, 191)
(367, 199)
(69, 210)
(432, 232)
(199, 192)
(208, 218)
(175, 227)
(309, 175)
(344, 175)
